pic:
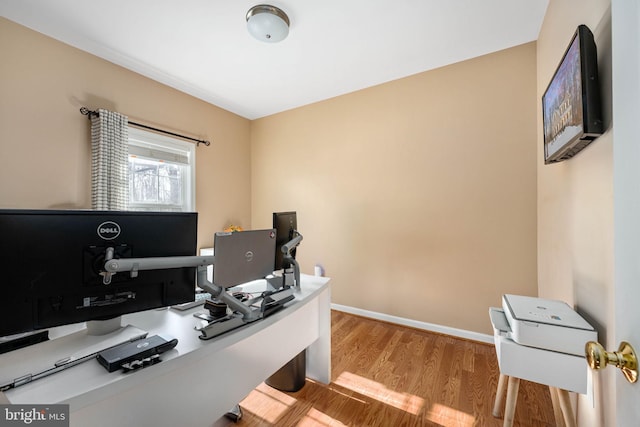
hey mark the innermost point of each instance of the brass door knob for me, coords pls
(625, 359)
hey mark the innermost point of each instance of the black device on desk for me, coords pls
(137, 353)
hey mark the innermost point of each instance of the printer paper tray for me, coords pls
(499, 321)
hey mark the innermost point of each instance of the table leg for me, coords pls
(512, 398)
(557, 410)
(497, 405)
(567, 410)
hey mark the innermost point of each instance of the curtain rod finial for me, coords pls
(86, 112)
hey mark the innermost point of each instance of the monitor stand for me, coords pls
(103, 327)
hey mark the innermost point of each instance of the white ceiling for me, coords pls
(334, 47)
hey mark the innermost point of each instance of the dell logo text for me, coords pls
(108, 230)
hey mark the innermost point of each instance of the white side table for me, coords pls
(561, 372)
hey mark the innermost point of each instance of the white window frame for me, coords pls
(168, 145)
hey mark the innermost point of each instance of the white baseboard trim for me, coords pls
(460, 333)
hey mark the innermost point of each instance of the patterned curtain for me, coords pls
(109, 156)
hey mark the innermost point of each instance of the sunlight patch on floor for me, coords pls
(268, 403)
(447, 416)
(404, 401)
(317, 418)
(333, 389)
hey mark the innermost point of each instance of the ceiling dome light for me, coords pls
(267, 23)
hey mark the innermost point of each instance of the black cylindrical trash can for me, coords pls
(291, 376)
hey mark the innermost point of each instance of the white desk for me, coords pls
(198, 381)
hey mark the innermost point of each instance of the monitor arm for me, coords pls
(133, 265)
(286, 250)
(271, 301)
(248, 314)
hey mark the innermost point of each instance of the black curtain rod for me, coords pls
(86, 112)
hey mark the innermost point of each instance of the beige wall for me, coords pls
(417, 196)
(575, 198)
(44, 140)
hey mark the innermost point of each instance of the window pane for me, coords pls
(169, 184)
(154, 182)
(161, 173)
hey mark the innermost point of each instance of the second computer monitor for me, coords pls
(244, 256)
(285, 224)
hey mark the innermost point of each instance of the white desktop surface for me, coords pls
(198, 381)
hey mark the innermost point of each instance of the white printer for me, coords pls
(542, 340)
(547, 324)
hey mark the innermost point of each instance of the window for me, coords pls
(161, 173)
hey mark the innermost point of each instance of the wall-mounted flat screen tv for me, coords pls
(571, 104)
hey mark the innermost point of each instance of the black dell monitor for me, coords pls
(286, 225)
(51, 265)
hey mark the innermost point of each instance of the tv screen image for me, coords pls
(571, 103)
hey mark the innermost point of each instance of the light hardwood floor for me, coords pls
(389, 375)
